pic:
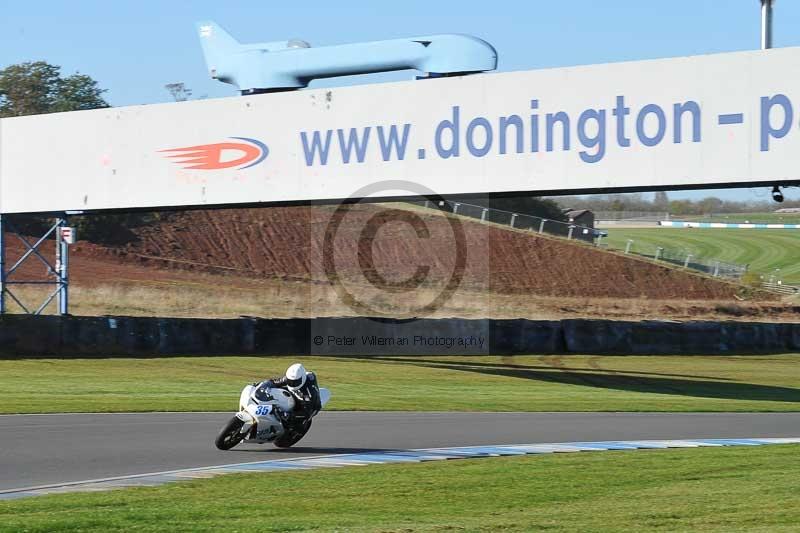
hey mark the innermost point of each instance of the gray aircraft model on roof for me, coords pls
(285, 65)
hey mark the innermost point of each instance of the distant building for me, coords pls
(583, 220)
(580, 217)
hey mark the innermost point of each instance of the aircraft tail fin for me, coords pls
(216, 43)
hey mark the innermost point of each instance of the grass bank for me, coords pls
(764, 250)
(522, 383)
(730, 489)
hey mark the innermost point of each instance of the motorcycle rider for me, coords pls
(304, 387)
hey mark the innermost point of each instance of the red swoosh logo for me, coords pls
(215, 156)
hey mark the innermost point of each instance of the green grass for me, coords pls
(763, 250)
(523, 383)
(770, 218)
(708, 489)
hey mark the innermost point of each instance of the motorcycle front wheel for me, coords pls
(230, 435)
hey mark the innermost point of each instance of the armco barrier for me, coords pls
(71, 336)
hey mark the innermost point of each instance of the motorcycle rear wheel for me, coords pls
(230, 435)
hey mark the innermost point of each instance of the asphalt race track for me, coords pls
(40, 450)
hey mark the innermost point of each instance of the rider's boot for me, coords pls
(284, 417)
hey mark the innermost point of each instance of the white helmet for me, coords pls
(295, 376)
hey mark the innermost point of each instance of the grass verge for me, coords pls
(729, 489)
(225, 297)
(522, 383)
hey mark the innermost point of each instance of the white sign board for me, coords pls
(67, 234)
(717, 120)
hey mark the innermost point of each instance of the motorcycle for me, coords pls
(261, 416)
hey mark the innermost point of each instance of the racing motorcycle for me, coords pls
(261, 417)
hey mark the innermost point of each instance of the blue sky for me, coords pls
(134, 48)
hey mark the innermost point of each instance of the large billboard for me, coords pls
(718, 120)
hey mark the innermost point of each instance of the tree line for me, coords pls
(661, 203)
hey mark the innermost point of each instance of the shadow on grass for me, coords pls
(700, 387)
(393, 359)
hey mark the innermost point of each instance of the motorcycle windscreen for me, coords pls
(324, 396)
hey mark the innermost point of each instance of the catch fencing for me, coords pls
(687, 259)
(780, 288)
(516, 220)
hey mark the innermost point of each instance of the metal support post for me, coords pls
(62, 268)
(455, 208)
(658, 253)
(541, 225)
(628, 246)
(569, 235)
(688, 260)
(766, 24)
(513, 218)
(2, 266)
(483, 214)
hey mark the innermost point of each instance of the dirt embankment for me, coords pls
(287, 243)
(269, 262)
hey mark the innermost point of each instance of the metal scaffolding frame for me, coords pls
(58, 272)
